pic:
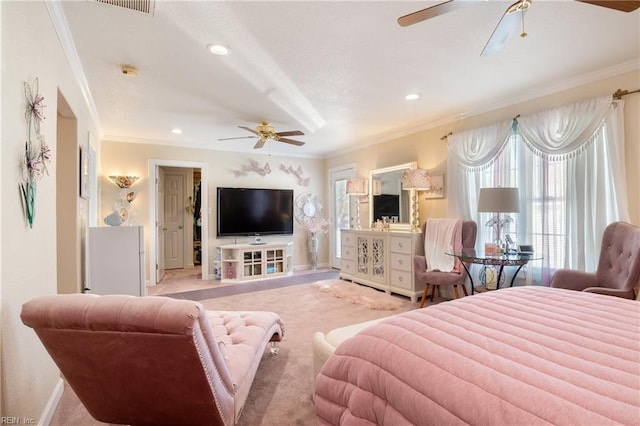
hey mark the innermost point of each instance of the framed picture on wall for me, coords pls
(436, 189)
(85, 191)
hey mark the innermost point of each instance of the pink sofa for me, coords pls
(153, 360)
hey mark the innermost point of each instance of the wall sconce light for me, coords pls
(124, 182)
(122, 209)
(357, 187)
(416, 180)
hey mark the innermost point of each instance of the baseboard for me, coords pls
(52, 404)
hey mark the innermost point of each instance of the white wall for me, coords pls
(29, 49)
(133, 159)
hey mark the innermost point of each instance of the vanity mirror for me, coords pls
(387, 198)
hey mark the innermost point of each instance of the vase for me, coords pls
(313, 244)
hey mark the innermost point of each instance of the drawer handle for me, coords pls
(400, 279)
(399, 261)
(400, 245)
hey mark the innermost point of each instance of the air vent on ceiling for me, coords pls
(143, 6)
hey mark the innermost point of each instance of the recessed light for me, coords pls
(412, 96)
(218, 49)
(176, 131)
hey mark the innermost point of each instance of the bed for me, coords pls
(522, 355)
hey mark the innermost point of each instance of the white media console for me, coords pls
(243, 262)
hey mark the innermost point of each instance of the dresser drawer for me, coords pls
(347, 266)
(401, 245)
(348, 252)
(401, 279)
(401, 262)
(347, 239)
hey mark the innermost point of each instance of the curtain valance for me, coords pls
(475, 149)
(562, 131)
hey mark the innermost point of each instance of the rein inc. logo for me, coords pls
(17, 421)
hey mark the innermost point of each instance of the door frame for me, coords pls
(204, 203)
(344, 170)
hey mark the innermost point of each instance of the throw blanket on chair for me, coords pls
(442, 236)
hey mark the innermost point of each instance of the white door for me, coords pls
(339, 208)
(159, 224)
(174, 202)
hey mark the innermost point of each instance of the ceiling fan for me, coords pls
(510, 19)
(265, 131)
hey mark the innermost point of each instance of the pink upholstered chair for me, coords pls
(437, 278)
(153, 360)
(618, 272)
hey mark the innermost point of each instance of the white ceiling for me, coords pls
(338, 71)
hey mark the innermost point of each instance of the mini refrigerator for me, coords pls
(116, 260)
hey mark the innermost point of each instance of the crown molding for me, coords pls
(61, 26)
(570, 83)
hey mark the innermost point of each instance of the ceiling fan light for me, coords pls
(412, 97)
(218, 49)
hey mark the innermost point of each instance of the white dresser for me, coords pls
(382, 259)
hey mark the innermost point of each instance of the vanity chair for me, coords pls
(437, 278)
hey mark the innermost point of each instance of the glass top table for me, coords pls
(479, 257)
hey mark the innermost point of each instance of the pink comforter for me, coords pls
(517, 356)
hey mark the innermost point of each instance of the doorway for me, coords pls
(70, 268)
(159, 239)
(339, 206)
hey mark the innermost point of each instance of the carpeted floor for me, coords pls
(281, 393)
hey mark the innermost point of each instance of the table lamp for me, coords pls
(498, 200)
(416, 180)
(357, 187)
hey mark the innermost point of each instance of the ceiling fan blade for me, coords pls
(241, 137)
(507, 26)
(623, 6)
(432, 12)
(291, 133)
(249, 130)
(259, 144)
(291, 141)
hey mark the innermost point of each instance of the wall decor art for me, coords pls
(436, 187)
(253, 166)
(37, 153)
(297, 173)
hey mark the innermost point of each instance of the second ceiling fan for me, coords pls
(512, 17)
(265, 131)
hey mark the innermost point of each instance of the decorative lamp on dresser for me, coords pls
(382, 259)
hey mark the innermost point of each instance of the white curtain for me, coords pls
(469, 152)
(571, 177)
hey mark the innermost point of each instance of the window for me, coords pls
(543, 206)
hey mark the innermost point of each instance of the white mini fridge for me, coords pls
(116, 260)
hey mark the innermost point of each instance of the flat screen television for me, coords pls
(254, 211)
(386, 205)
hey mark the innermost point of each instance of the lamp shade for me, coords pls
(124, 181)
(499, 200)
(418, 179)
(357, 186)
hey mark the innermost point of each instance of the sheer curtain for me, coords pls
(569, 165)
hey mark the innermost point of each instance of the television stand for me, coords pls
(244, 262)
